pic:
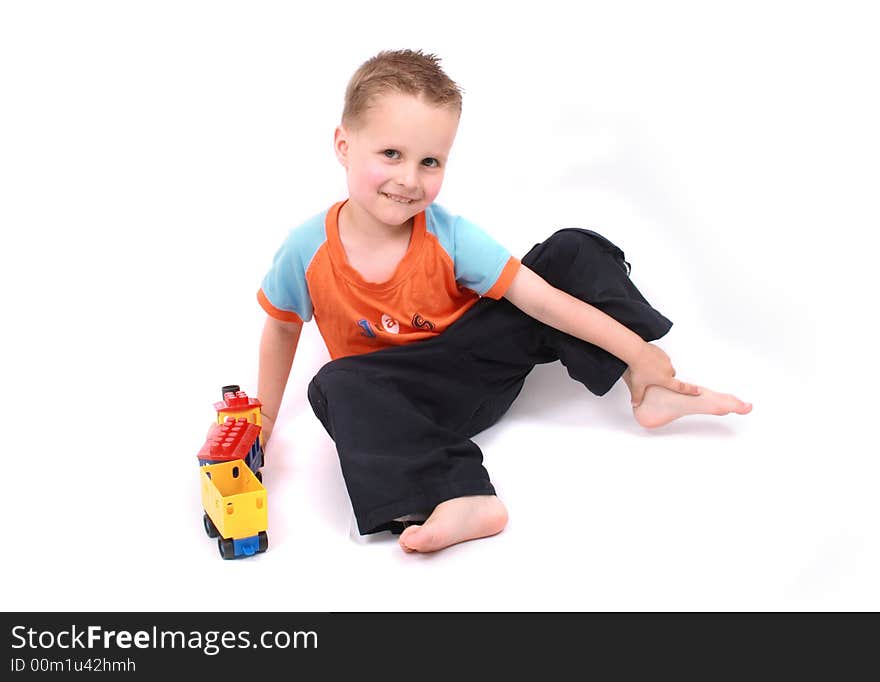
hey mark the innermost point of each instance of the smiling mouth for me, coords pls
(396, 198)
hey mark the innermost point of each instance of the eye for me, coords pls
(391, 153)
(431, 163)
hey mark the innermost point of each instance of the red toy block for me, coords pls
(231, 440)
(236, 402)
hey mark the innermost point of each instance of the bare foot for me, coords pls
(661, 406)
(454, 521)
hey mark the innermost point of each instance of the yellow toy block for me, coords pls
(235, 502)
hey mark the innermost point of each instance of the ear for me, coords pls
(340, 145)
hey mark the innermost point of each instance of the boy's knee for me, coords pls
(574, 240)
(562, 250)
(586, 247)
(330, 386)
(339, 378)
(566, 239)
(316, 398)
(327, 379)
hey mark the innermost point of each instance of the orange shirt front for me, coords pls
(449, 264)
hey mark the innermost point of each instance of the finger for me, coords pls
(685, 388)
(638, 395)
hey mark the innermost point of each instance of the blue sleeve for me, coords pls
(479, 259)
(284, 287)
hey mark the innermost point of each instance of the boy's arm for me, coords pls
(277, 348)
(648, 364)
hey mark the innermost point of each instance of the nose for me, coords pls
(408, 177)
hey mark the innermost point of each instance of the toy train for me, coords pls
(233, 496)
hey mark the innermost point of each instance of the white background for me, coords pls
(153, 155)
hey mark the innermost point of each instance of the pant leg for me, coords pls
(504, 344)
(396, 416)
(589, 267)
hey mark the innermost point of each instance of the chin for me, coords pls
(397, 215)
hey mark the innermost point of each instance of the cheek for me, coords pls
(375, 175)
(432, 187)
(366, 177)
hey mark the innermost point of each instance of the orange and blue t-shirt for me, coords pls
(449, 265)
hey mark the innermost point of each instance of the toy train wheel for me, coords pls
(227, 548)
(264, 541)
(210, 528)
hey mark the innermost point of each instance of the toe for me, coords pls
(407, 537)
(416, 539)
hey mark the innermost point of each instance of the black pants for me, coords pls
(402, 417)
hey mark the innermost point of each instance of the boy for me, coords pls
(432, 326)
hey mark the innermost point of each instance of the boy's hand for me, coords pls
(652, 367)
(268, 424)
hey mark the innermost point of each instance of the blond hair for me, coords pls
(404, 71)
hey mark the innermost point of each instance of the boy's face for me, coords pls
(395, 159)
